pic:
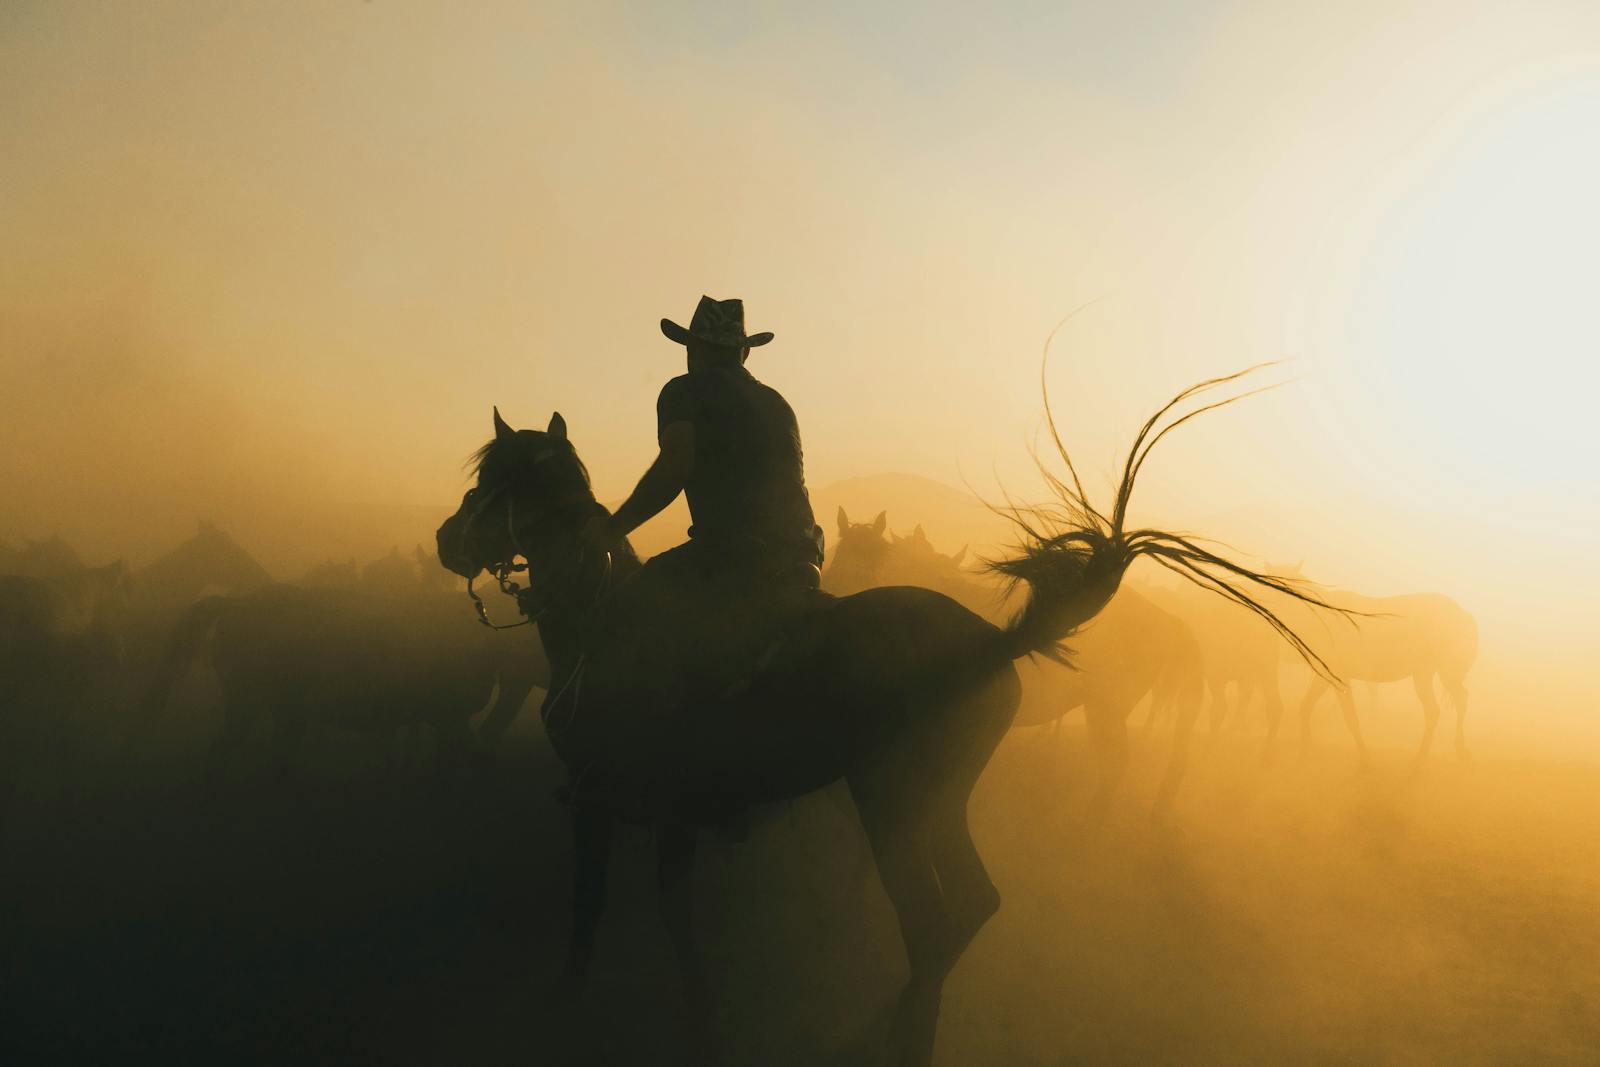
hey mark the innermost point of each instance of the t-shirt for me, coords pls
(749, 474)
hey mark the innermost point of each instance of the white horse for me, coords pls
(1421, 636)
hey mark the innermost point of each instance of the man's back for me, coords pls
(748, 479)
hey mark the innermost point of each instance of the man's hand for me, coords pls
(599, 534)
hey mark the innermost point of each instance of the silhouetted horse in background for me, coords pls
(1420, 636)
(1238, 652)
(209, 563)
(391, 573)
(60, 658)
(900, 691)
(50, 558)
(374, 649)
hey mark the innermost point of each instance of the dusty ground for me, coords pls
(1301, 912)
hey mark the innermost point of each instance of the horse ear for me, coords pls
(502, 430)
(844, 520)
(959, 556)
(918, 534)
(881, 523)
(557, 427)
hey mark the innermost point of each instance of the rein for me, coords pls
(503, 571)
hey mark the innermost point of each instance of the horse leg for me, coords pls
(1457, 688)
(675, 884)
(591, 834)
(1247, 689)
(510, 693)
(1272, 697)
(1158, 708)
(901, 849)
(1352, 722)
(1422, 682)
(970, 898)
(1217, 709)
(1314, 692)
(1178, 764)
(1108, 736)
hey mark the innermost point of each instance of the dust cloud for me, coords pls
(264, 272)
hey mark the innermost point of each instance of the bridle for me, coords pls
(503, 571)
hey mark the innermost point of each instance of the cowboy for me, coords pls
(732, 446)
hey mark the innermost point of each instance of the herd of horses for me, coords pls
(1182, 652)
(80, 641)
(900, 691)
(902, 687)
(90, 658)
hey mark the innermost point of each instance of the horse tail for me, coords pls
(1066, 584)
(188, 637)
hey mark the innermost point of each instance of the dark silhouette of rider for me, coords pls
(709, 607)
(732, 445)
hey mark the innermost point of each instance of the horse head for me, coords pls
(859, 556)
(50, 558)
(531, 497)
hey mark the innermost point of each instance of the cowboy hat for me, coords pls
(716, 322)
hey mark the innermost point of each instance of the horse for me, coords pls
(1420, 636)
(375, 663)
(50, 558)
(60, 659)
(1133, 649)
(393, 571)
(1238, 653)
(901, 692)
(209, 562)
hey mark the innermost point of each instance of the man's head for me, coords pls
(715, 337)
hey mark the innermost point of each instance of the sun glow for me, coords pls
(1477, 336)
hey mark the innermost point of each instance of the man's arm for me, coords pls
(661, 484)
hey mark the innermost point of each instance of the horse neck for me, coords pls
(563, 622)
(173, 575)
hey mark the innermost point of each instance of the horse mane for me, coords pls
(490, 450)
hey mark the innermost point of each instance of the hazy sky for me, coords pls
(255, 257)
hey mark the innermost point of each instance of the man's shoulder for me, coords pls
(772, 395)
(677, 389)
